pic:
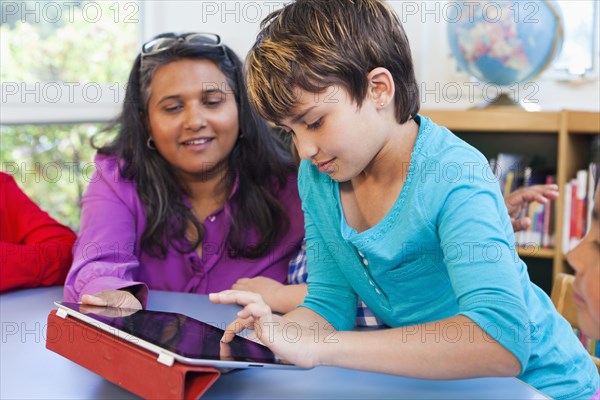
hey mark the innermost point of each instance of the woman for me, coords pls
(194, 192)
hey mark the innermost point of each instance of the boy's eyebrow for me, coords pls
(297, 118)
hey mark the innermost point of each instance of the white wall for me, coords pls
(442, 86)
(237, 21)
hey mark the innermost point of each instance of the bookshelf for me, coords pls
(558, 140)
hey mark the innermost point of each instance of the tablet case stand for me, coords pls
(125, 364)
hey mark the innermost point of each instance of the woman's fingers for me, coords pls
(112, 298)
(93, 300)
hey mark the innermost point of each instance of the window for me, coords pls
(63, 72)
(52, 163)
(65, 61)
(579, 54)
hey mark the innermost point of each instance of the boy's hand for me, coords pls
(289, 340)
(518, 200)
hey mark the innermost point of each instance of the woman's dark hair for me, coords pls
(259, 159)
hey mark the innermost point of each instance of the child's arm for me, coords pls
(281, 298)
(284, 298)
(448, 349)
(453, 348)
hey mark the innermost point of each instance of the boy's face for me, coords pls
(332, 132)
(585, 260)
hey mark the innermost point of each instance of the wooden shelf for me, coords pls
(583, 122)
(535, 252)
(497, 120)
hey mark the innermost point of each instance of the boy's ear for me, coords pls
(381, 87)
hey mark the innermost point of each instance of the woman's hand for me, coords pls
(289, 340)
(112, 312)
(112, 298)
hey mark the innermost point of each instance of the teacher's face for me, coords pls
(193, 117)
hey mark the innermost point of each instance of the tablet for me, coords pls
(174, 336)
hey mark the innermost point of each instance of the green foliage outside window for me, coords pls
(52, 164)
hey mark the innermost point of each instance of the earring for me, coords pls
(150, 144)
(381, 104)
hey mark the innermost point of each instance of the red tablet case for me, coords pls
(125, 364)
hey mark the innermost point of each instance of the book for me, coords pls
(580, 204)
(547, 240)
(566, 233)
(590, 193)
(574, 213)
(508, 183)
(510, 171)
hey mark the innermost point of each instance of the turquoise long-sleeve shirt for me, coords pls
(445, 248)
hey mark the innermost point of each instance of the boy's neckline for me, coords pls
(399, 199)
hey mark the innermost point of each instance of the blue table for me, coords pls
(28, 370)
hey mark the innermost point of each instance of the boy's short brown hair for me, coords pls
(313, 44)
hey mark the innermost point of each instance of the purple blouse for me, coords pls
(107, 254)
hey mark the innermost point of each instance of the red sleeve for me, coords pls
(35, 250)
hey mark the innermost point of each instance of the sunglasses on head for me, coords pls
(201, 39)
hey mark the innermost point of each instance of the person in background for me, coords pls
(431, 254)
(36, 250)
(585, 260)
(194, 192)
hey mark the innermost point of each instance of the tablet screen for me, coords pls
(176, 333)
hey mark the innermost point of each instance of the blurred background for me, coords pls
(64, 67)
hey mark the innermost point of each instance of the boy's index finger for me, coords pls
(232, 329)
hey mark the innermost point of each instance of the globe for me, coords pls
(505, 42)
